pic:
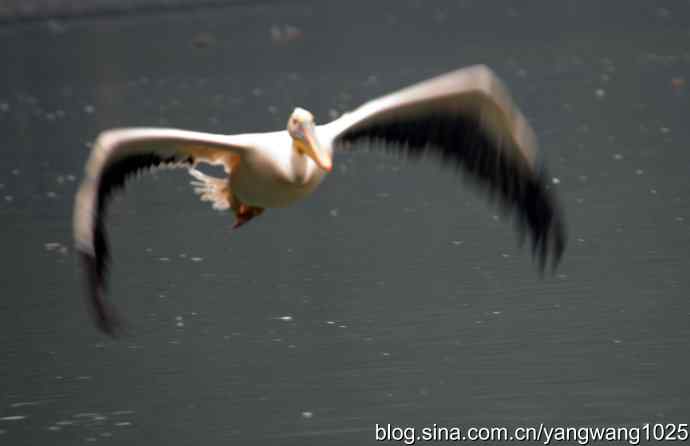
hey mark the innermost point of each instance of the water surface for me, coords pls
(395, 294)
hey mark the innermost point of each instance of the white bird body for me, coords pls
(273, 174)
(466, 118)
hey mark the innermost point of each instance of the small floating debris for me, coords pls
(123, 423)
(307, 414)
(287, 318)
(285, 33)
(371, 80)
(617, 156)
(440, 16)
(55, 247)
(89, 109)
(55, 26)
(13, 418)
(25, 403)
(664, 130)
(196, 259)
(333, 212)
(555, 180)
(164, 259)
(663, 13)
(85, 415)
(203, 40)
(600, 93)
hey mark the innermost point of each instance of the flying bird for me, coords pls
(465, 118)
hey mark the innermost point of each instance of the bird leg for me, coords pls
(243, 212)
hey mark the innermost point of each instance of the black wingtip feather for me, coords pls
(105, 316)
(463, 141)
(95, 264)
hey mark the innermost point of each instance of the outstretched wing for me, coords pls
(466, 118)
(116, 155)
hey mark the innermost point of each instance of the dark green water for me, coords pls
(395, 294)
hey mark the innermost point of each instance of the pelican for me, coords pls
(466, 118)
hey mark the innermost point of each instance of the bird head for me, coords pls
(303, 132)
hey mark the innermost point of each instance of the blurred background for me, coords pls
(396, 294)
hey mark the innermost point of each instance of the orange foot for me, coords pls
(244, 213)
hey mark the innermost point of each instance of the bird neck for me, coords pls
(300, 161)
(298, 146)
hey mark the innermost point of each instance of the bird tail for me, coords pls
(215, 190)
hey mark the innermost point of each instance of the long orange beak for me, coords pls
(315, 151)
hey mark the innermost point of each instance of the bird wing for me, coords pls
(116, 155)
(466, 118)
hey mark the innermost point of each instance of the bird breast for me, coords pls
(274, 176)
